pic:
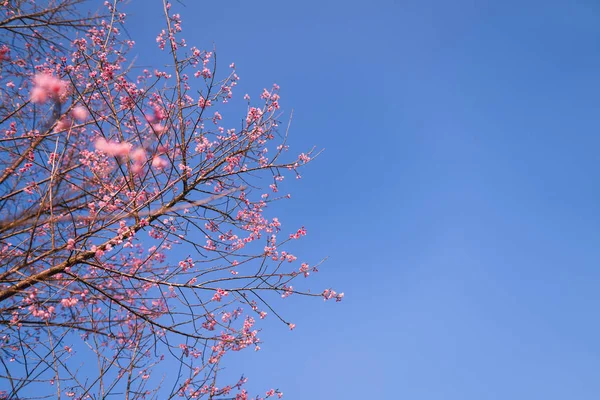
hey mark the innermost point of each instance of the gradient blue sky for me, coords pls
(457, 197)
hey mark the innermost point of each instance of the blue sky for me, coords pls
(457, 196)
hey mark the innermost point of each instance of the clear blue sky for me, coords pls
(457, 198)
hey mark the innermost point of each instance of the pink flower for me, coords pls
(69, 302)
(158, 128)
(159, 114)
(80, 113)
(304, 268)
(159, 162)
(203, 103)
(62, 125)
(112, 148)
(304, 158)
(4, 56)
(138, 155)
(47, 85)
(137, 168)
(332, 294)
(220, 293)
(38, 95)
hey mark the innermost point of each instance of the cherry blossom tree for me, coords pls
(134, 226)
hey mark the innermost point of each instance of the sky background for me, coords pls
(457, 197)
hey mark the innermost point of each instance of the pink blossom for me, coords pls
(138, 155)
(298, 234)
(4, 51)
(159, 113)
(137, 168)
(254, 114)
(329, 294)
(304, 158)
(158, 128)
(304, 268)
(70, 302)
(38, 95)
(203, 103)
(159, 162)
(47, 85)
(112, 148)
(220, 293)
(62, 124)
(80, 113)
(206, 73)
